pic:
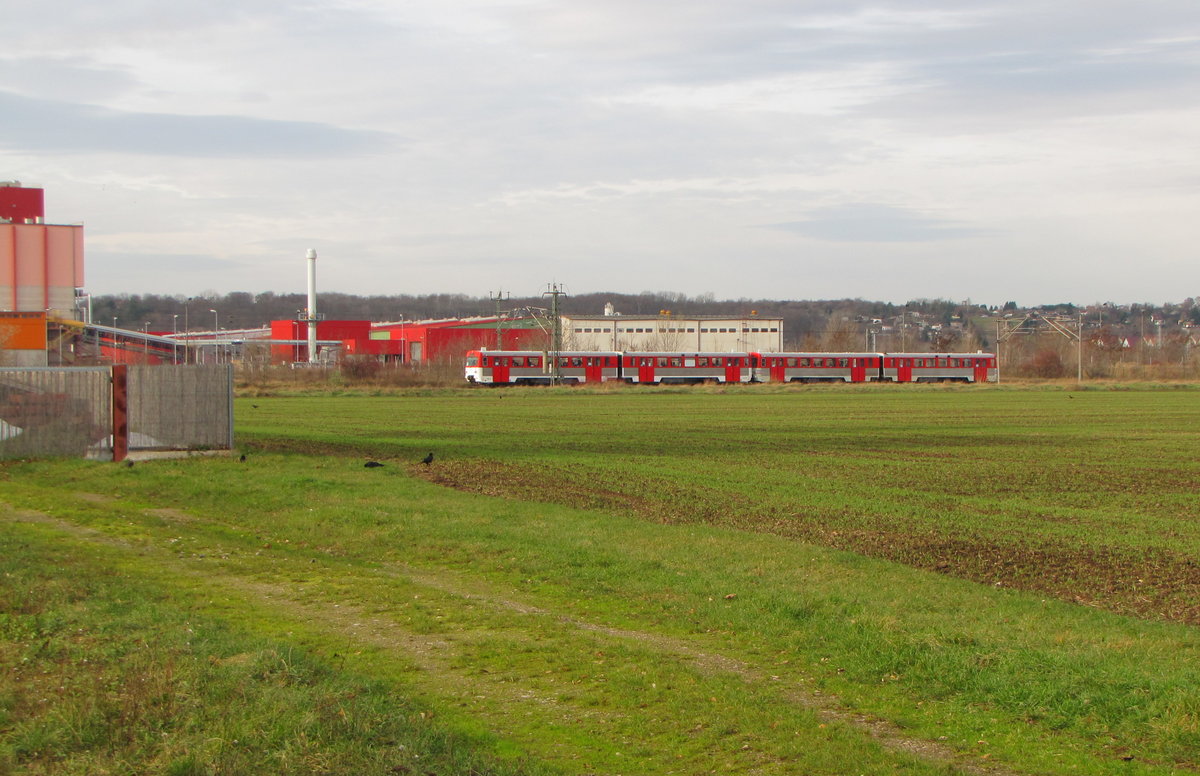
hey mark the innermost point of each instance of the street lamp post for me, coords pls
(216, 331)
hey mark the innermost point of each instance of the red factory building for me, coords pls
(405, 342)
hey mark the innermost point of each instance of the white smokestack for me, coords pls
(312, 305)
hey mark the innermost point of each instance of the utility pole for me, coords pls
(1060, 324)
(500, 295)
(554, 291)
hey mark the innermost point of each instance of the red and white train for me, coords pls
(514, 367)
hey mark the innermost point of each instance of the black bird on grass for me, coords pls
(372, 465)
(427, 459)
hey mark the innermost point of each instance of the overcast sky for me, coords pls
(990, 150)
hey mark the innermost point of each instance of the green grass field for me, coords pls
(883, 580)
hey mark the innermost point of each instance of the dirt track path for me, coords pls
(437, 658)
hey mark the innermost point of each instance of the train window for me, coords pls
(716, 361)
(804, 362)
(576, 361)
(518, 360)
(702, 361)
(676, 362)
(472, 361)
(662, 360)
(843, 362)
(535, 360)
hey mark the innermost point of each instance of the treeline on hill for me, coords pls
(241, 310)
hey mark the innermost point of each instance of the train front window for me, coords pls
(472, 361)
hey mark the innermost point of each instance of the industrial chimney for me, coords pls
(312, 305)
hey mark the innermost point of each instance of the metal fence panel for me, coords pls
(181, 407)
(67, 411)
(54, 411)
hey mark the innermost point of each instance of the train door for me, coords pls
(733, 370)
(593, 369)
(500, 369)
(904, 370)
(981, 370)
(858, 370)
(779, 369)
(645, 369)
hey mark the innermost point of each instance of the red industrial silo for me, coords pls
(19, 205)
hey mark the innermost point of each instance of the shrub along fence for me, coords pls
(108, 412)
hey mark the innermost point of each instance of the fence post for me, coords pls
(120, 411)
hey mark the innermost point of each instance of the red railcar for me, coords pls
(508, 367)
(818, 367)
(940, 367)
(677, 367)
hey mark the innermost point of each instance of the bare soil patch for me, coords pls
(1152, 584)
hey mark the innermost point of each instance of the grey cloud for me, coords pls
(867, 222)
(34, 125)
(62, 77)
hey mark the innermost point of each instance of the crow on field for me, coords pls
(372, 465)
(427, 459)
(242, 458)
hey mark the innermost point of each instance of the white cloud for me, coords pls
(473, 144)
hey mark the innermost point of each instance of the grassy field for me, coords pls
(917, 581)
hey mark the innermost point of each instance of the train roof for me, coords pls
(979, 354)
(486, 352)
(685, 353)
(815, 354)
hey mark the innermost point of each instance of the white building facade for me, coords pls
(666, 333)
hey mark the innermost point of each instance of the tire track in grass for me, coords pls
(436, 655)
